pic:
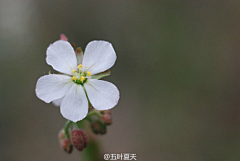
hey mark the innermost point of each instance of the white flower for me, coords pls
(70, 88)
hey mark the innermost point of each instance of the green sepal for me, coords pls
(79, 54)
(101, 75)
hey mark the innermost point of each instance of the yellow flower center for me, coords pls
(82, 78)
(79, 76)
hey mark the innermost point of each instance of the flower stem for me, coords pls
(66, 127)
(92, 152)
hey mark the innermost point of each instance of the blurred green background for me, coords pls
(177, 72)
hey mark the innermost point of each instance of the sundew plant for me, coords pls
(77, 90)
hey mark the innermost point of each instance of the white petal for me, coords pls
(57, 102)
(103, 95)
(74, 105)
(61, 56)
(98, 56)
(52, 87)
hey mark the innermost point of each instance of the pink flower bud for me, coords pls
(63, 37)
(61, 135)
(98, 127)
(109, 112)
(107, 118)
(66, 145)
(64, 142)
(79, 139)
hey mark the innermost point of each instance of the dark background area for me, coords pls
(177, 72)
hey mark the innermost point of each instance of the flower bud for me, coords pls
(107, 118)
(63, 37)
(66, 145)
(61, 135)
(109, 112)
(79, 139)
(98, 127)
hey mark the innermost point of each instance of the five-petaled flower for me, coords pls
(76, 84)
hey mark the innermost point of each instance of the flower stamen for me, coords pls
(89, 74)
(82, 78)
(74, 71)
(80, 66)
(74, 78)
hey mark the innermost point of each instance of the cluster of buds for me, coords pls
(99, 126)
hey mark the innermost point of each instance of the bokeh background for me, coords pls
(178, 71)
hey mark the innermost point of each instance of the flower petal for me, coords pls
(61, 56)
(52, 87)
(98, 56)
(103, 95)
(57, 102)
(74, 105)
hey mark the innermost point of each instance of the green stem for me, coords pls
(92, 152)
(66, 127)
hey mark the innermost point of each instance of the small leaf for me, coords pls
(101, 75)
